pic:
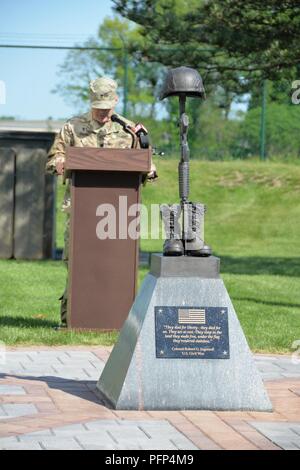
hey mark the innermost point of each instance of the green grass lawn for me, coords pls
(252, 223)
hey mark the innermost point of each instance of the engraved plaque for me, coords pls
(191, 332)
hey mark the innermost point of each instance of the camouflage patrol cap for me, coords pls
(103, 93)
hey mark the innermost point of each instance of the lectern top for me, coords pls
(108, 159)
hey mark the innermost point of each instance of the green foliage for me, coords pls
(7, 118)
(114, 37)
(232, 40)
(278, 91)
(282, 132)
(171, 33)
(213, 137)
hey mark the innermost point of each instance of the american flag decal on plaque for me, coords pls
(191, 315)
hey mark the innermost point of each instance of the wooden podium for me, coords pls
(103, 272)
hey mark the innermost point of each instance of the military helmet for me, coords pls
(182, 80)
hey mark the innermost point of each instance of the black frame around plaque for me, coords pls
(193, 332)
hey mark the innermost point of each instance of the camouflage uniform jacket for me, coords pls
(83, 131)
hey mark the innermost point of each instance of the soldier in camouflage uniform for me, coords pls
(92, 129)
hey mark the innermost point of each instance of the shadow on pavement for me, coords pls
(84, 389)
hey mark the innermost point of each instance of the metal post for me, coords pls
(125, 82)
(263, 121)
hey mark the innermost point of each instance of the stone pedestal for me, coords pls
(182, 346)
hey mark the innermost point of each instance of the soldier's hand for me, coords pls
(152, 175)
(60, 167)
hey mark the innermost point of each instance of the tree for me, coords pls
(235, 42)
(115, 36)
(282, 132)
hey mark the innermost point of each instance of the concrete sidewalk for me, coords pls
(48, 401)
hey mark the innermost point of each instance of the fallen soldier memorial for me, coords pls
(182, 346)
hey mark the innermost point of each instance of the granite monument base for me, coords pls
(182, 346)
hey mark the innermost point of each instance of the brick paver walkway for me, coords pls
(48, 401)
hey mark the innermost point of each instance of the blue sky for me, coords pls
(30, 75)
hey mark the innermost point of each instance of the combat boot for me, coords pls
(195, 244)
(170, 215)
